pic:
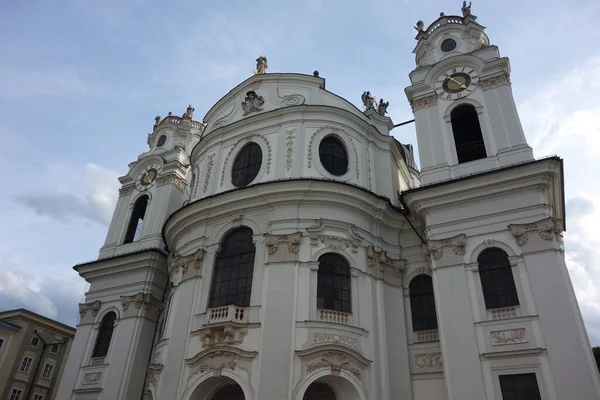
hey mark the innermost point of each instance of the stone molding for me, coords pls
(380, 265)
(153, 374)
(281, 248)
(448, 251)
(336, 243)
(428, 360)
(335, 360)
(335, 357)
(222, 335)
(494, 82)
(320, 338)
(289, 148)
(126, 190)
(547, 229)
(171, 179)
(185, 267)
(509, 336)
(145, 301)
(94, 307)
(424, 102)
(92, 378)
(209, 166)
(217, 359)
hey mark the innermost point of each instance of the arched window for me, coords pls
(497, 280)
(105, 333)
(234, 266)
(333, 283)
(136, 223)
(333, 155)
(422, 304)
(246, 165)
(467, 134)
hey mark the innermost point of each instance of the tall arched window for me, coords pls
(467, 134)
(136, 223)
(105, 333)
(422, 303)
(333, 283)
(497, 280)
(234, 266)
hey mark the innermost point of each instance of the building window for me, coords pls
(105, 333)
(136, 223)
(16, 394)
(38, 397)
(1, 343)
(497, 280)
(55, 348)
(34, 341)
(467, 134)
(333, 283)
(47, 371)
(26, 364)
(246, 165)
(422, 304)
(519, 387)
(161, 140)
(333, 155)
(234, 267)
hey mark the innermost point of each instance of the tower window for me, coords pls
(234, 267)
(246, 165)
(333, 283)
(422, 304)
(105, 333)
(136, 223)
(161, 140)
(333, 156)
(467, 134)
(497, 281)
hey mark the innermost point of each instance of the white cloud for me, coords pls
(18, 83)
(563, 118)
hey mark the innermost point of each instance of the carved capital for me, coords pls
(447, 251)
(171, 179)
(145, 301)
(283, 247)
(126, 190)
(494, 82)
(222, 335)
(152, 375)
(380, 265)
(94, 307)
(538, 234)
(185, 267)
(424, 102)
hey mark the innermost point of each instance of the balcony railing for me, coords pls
(426, 336)
(227, 314)
(503, 313)
(337, 317)
(97, 360)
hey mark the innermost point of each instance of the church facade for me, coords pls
(288, 247)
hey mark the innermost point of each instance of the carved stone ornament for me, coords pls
(126, 190)
(217, 359)
(547, 230)
(428, 360)
(209, 166)
(382, 266)
(92, 378)
(510, 336)
(455, 244)
(171, 179)
(335, 242)
(141, 300)
(219, 335)
(152, 374)
(252, 103)
(424, 102)
(283, 247)
(494, 82)
(337, 361)
(182, 264)
(289, 148)
(94, 307)
(333, 338)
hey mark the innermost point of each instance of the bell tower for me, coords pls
(465, 114)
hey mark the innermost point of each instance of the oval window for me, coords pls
(333, 156)
(161, 140)
(246, 165)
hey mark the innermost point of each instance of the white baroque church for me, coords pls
(288, 247)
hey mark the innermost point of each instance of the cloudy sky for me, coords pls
(81, 83)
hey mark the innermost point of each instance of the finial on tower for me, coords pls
(189, 112)
(261, 65)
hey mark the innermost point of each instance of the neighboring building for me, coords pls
(287, 247)
(33, 354)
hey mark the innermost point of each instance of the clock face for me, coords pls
(147, 177)
(456, 83)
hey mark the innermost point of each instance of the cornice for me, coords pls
(124, 263)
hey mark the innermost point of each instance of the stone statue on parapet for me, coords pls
(382, 107)
(419, 26)
(466, 10)
(189, 112)
(368, 100)
(261, 65)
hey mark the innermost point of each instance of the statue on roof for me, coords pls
(466, 10)
(420, 26)
(261, 65)
(382, 107)
(189, 112)
(368, 100)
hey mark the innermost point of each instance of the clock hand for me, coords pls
(462, 85)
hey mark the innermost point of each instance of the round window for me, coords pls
(161, 140)
(246, 165)
(333, 155)
(448, 45)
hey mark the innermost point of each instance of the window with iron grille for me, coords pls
(234, 267)
(422, 303)
(497, 281)
(333, 283)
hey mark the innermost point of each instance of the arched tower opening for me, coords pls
(468, 137)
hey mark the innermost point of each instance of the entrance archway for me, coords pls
(230, 392)
(319, 391)
(331, 388)
(221, 388)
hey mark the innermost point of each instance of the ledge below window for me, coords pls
(229, 313)
(337, 317)
(431, 335)
(497, 314)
